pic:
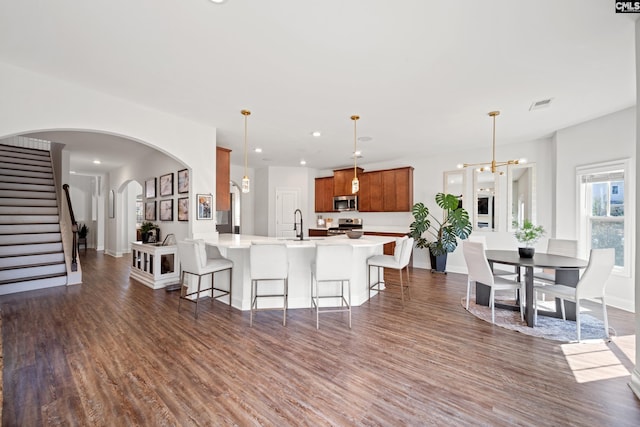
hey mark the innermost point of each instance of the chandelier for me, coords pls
(493, 165)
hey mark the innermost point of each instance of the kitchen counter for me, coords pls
(301, 256)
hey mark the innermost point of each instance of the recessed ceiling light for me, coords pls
(316, 133)
(258, 150)
(97, 162)
(72, 172)
(218, 1)
(303, 162)
(358, 153)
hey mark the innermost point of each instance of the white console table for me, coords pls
(154, 265)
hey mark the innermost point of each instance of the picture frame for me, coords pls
(183, 209)
(166, 184)
(205, 206)
(183, 181)
(166, 210)
(150, 211)
(150, 188)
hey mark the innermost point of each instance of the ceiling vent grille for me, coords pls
(544, 103)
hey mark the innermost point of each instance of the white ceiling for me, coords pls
(422, 74)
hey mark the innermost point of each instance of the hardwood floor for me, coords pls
(114, 352)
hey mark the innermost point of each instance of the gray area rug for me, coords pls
(547, 327)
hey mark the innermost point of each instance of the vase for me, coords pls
(526, 252)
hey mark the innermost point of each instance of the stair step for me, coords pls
(24, 150)
(36, 259)
(29, 249)
(23, 186)
(26, 180)
(29, 228)
(24, 168)
(29, 219)
(29, 210)
(48, 281)
(6, 201)
(19, 173)
(30, 272)
(22, 159)
(24, 239)
(28, 194)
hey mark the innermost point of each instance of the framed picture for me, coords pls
(150, 211)
(183, 181)
(150, 188)
(166, 184)
(205, 203)
(166, 210)
(183, 209)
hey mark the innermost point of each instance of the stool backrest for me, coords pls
(406, 252)
(191, 255)
(268, 260)
(333, 262)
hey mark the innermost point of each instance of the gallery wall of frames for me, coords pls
(166, 198)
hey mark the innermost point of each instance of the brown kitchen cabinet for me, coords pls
(324, 194)
(318, 232)
(223, 178)
(397, 190)
(342, 181)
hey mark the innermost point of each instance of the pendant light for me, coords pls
(493, 165)
(355, 183)
(245, 179)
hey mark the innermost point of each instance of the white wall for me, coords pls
(612, 137)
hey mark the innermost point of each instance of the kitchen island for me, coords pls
(301, 255)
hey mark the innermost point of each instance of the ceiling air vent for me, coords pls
(544, 103)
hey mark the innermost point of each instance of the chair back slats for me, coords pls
(477, 264)
(563, 247)
(594, 279)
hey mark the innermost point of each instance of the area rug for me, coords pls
(550, 328)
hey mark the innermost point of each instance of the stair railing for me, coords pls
(74, 228)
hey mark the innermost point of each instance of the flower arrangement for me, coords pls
(527, 233)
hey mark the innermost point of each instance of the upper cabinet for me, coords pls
(324, 194)
(223, 178)
(342, 181)
(397, 190)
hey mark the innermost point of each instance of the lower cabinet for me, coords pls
(318, 232)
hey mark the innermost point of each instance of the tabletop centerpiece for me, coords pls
(528, 234)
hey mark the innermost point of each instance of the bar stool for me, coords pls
(333, 264)
(195, 261)
(398, 261)
(269, 262)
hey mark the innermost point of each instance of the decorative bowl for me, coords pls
(354, 234)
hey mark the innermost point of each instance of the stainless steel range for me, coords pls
(345, 224)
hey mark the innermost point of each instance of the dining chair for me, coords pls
(561, 247)
(479, 271)
(511, 271)
(196, 261)
(398, 261)
(269, 263)
(592, 285)
(332, 268)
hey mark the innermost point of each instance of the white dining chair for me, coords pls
(591, 285)
(398, 261)
(195, 260)
(561, 247)
(497, 269)
(479, 271)
(269, 263)
(332, 268)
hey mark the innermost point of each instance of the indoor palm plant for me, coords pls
(527, 234)
(441, 236)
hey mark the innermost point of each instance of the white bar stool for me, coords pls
(398, 261)
(269, 262)
(333, 265)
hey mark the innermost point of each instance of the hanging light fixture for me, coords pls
(355, 183)
(245, 179)
(493, 165)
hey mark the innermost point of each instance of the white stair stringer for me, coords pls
(31, 249)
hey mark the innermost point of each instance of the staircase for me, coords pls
(31, 254)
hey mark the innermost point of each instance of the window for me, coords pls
(604, 221)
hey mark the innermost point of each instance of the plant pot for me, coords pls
(526, 252)
(438, 263)
(145, 237)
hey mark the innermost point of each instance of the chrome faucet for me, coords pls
(301, 236)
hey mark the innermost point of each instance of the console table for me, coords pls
(154, 265)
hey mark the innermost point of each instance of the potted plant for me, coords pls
(442, 235)
(527, 234)
(145, 229)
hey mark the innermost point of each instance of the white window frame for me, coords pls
(584, 217)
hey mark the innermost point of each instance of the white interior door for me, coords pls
(286, 204)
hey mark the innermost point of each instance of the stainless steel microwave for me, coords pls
(345, 203)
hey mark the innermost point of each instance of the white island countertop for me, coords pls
(244, 240)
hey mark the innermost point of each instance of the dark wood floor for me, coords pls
(114, 352)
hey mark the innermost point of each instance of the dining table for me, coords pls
(567, 272)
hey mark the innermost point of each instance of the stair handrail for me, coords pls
(74, 229)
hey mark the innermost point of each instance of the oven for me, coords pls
(344, 225)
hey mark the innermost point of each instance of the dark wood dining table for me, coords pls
(567, 272)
